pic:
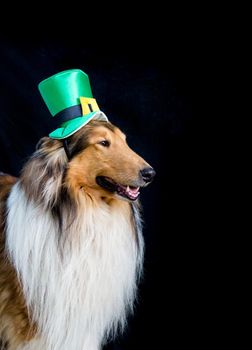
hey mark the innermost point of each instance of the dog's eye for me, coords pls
(104, 143)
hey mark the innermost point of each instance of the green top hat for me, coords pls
(69, 99)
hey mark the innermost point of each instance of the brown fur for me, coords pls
(15, 325)
(70, 181)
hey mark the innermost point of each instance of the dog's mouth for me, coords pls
(125, 191)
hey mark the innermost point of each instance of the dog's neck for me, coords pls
(79, 284)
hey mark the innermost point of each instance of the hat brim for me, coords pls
(72, 126)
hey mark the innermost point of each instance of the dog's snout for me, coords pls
(147, 174)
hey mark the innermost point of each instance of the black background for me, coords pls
(148, 85)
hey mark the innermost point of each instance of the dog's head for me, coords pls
(100, 164)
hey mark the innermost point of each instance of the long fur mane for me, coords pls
(78, 261)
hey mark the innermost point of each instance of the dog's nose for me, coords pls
(148, 174)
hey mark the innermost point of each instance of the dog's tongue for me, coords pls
(130, 192)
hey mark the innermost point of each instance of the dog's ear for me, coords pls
(40, 143)
(42, 176)
(46, 145)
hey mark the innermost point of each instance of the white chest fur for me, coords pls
(79, 285)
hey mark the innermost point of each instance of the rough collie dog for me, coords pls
(71, 246)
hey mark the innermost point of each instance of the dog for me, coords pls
(71, 244)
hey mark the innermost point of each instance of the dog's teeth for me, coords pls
(128, 189)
